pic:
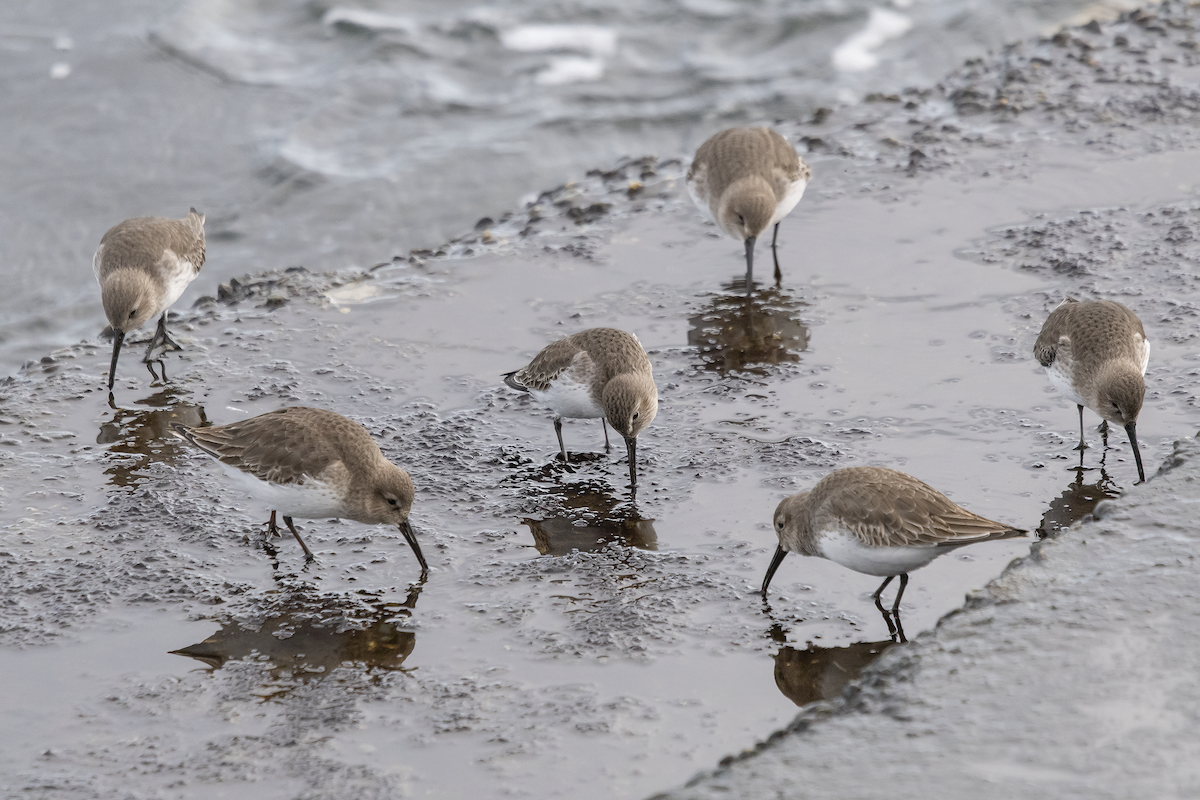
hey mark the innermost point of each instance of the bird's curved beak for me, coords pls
(411, 537)
(118, 338)
(775, 562)
(1131, 429)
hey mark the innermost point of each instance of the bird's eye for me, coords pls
(741, 220)
(637, 414)
(133, 313)
(391, 502)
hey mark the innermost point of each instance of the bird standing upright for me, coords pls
(746, 180)
(143, 265)
(1095, 353)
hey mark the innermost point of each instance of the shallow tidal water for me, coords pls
(568, 642)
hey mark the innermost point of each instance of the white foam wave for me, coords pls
(589, 39)
(854, 54)
(571, 69)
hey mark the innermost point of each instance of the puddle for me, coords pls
(569, 642)
(299, 649)
(822, 673)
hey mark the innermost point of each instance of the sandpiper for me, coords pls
(1095, 353)
(600, 372)
(143, 265)
(314, 464)
(746, 180)
(878, 522)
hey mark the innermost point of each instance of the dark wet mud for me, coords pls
(571, 640)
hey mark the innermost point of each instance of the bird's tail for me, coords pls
(510, 378)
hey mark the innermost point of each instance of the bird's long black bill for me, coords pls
(1131, 429)
(411, 537)
(749, 261)
(775, 562)
(631, 447)
(118, 338)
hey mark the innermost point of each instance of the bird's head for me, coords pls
(788, 519)
(129, 300)
(1119, 396)
(748, 210)
(630, 403)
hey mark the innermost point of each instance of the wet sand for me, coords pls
(569, 642)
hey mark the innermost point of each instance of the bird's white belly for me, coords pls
(568, 397)
(1059, 373)
(843, 547)
(309, 500)
(177, 274)
(789, 201)
(1145, 355)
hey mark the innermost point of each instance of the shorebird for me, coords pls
(878, 522)
(1095, 353)
(746, 180)
(314, 464)
(143, 265)
(600, 372)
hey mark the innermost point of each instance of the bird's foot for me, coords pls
(155, 380)
(168, 344)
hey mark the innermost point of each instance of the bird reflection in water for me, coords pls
(746, 332)
(591, 519)
(820, 673)
(300, 649)
(140, 436)
(1077, 501)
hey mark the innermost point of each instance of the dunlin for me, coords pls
(143, 265)
(746, 180)
(601, 372)
(314, 464)
(1095, 353)
(878, 522)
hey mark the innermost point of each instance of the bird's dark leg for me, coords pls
(1082, 443)
(558, 432)
(308, 556)
(879, 591)
(899, 594)
(162, 338)
(607, 446)
(1103, 428)
(886, 616)
(272, 528)
(895, 630)
(775, 255)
